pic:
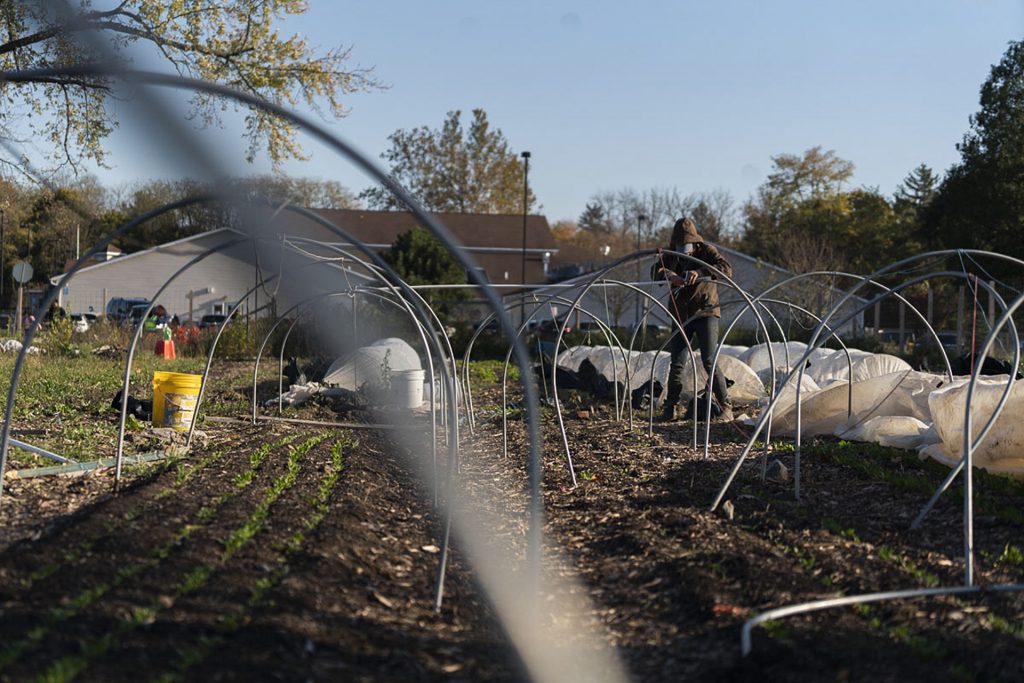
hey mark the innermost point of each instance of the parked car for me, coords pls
(120, 308)
(211, 320)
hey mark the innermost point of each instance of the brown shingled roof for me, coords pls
(470, 229)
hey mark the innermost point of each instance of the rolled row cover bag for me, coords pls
(369, 366)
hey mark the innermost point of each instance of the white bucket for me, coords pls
(407, 388)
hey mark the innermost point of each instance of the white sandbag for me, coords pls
(370, 366)
(894, 431)
(1003, 447)
(899, 393)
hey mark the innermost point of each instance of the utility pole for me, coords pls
(640, 218)
(526, 209)
(3, 243)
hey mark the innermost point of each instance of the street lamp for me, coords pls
(526, 208)
(3, 225)
(640, 218)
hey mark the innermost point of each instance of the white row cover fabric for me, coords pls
(1003, 447)
(843, 405)
(733, 350)
(894, 431)
(861, 397)
(784, 353)
(370, 366)
(612, 365)
(866, 365)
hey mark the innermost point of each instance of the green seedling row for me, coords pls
(320, 503)
(198, 576)
(16, 649)
(184, 474)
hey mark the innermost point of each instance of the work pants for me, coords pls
(703, 335)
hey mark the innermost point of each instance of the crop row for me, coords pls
(68, 667)
(195, 654)
(185, 470)
(14, 650)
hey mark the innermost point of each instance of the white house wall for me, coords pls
(227, 275)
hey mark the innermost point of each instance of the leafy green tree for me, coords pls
(234, 42)
(911, 200)
(918, 188)
(593, 219)
(803, 219)
(312, 193)
(454, 170)
(813, 181)
(980, 202)
(421, 259)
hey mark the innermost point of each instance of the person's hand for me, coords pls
(691, 277)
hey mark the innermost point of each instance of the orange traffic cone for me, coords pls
(165, 349)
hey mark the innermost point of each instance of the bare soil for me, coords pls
(258, 559)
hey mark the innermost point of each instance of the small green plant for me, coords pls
(58, 337)
(1012, 556)
(777, 630)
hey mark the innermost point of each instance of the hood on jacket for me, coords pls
(685, 232)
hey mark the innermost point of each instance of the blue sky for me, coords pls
(659, 94)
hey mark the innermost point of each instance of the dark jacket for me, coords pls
(699, 300)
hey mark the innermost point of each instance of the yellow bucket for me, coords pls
(174, 399)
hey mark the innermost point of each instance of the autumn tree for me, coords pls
(810, 181)
(455, 170)
(234, 42)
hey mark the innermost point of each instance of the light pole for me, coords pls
(640, 218)
(526, 208)
(3, 225)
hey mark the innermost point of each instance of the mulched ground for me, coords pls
(251, 560)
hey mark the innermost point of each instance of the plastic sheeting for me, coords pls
(369, 366)
(612, 365)
(807, 385)
(733, 350)
(1003, 448)
(824, 412)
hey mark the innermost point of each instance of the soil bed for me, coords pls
(290, 552)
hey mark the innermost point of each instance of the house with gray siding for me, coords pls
(233, 264)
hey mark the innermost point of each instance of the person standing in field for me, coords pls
(694, 303)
